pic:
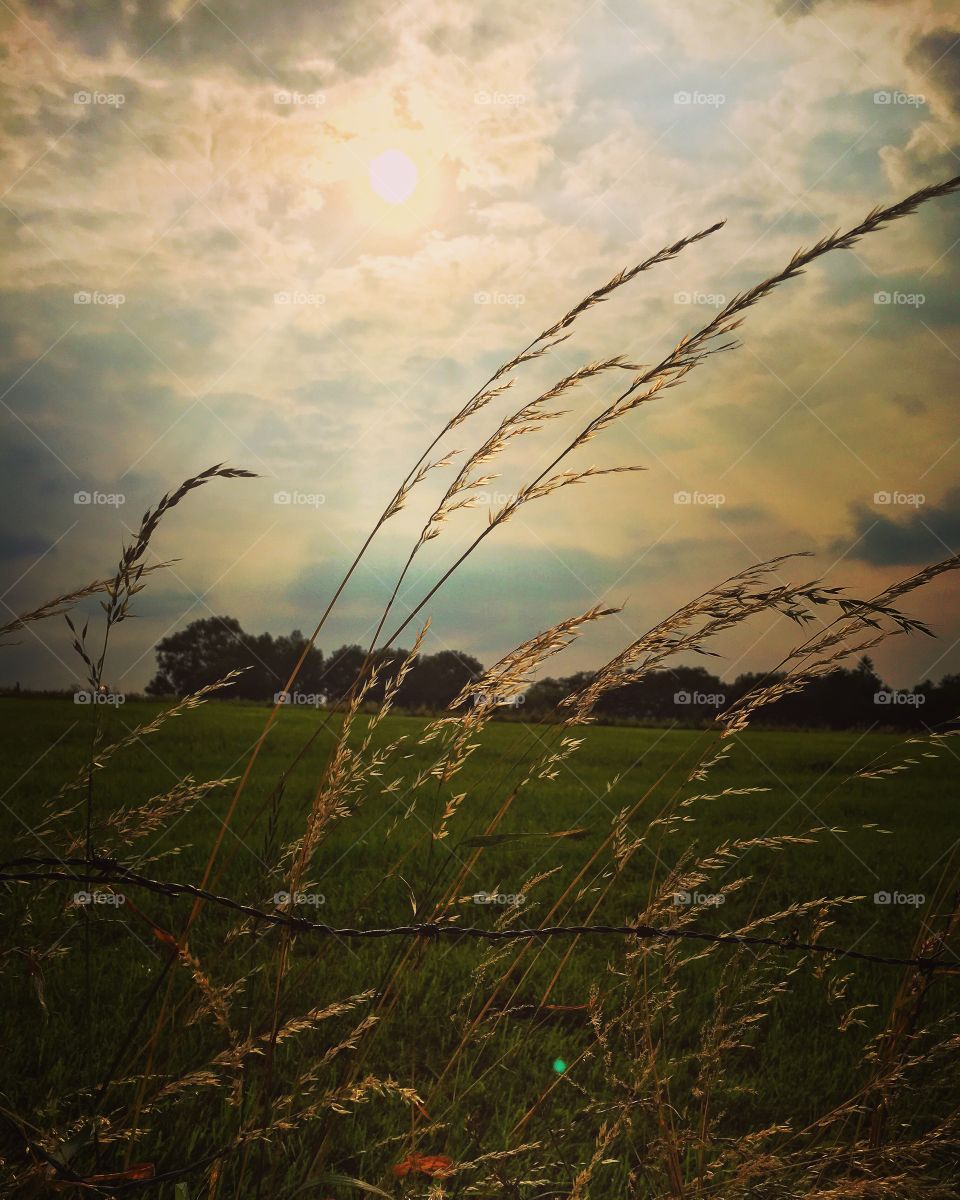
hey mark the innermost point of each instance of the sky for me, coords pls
(296, 238)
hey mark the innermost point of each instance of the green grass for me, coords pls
(375, 865)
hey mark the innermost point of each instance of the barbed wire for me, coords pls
(109, 871)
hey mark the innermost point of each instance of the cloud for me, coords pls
(252, 39)
(551, 152)
(16, 545)
(799, 8)
(926, 535)
(937, 56)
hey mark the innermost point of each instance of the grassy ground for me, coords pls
(380, 863)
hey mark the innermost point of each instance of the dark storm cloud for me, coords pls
(912, 405)
(899, 304)
(29, 531)
(95, 375)
(16, 545)
(794, 8)
(799, 8)
(253, 39)
(930, 532)
(745, 514)
(527, 587)
(937, 55)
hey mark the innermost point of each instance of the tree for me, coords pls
(340, 671)
(435, 680)
(287, 651)
(210, 648)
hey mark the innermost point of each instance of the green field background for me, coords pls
(379, 865)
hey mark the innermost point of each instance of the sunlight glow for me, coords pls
(393, 176)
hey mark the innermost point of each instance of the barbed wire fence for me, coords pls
(108, 871)
(99, 871)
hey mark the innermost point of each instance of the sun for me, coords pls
(398, 185)
(393, 176)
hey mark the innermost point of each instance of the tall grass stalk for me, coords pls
(223, 1075)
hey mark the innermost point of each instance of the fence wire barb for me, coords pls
(109, 871)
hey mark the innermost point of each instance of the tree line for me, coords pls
(208, 649)
(842, 699)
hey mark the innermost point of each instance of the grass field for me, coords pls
(381, 861)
